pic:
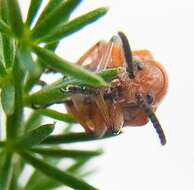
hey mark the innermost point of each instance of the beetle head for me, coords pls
(147, 85)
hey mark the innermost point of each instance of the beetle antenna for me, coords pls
(128, 54)
(148, 111)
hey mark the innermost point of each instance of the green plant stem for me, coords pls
(74, 137)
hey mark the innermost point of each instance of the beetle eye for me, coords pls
(150, 99)
(138, 63)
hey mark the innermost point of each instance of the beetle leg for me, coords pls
(142, 103)
(113, 95)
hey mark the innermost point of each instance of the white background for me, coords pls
(136, 160)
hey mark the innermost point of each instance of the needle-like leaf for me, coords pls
(109, 74)
(4, 22)
(56, 174)
(4, 11)
(8, 43)
(32, 12)
(15, 17)
(4, 28)
(50, 7)
(44, 97)
(33, 79)
(40, 181)
(57, 115)
(74, 137)
(2, 143)
(2, 69)
(76, 167)
(8, 98)
(73, 26)
(57, 16)
(6, 172)
(8, 50)
(67, 68)
(25, 59)
(76, 154)
(35, 136)
(13, 122)
(33, 121)
(47, 95)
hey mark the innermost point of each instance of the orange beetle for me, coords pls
(132, 97)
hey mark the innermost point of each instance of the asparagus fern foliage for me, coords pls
(24, 139)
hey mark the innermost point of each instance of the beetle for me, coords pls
(132, 97)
